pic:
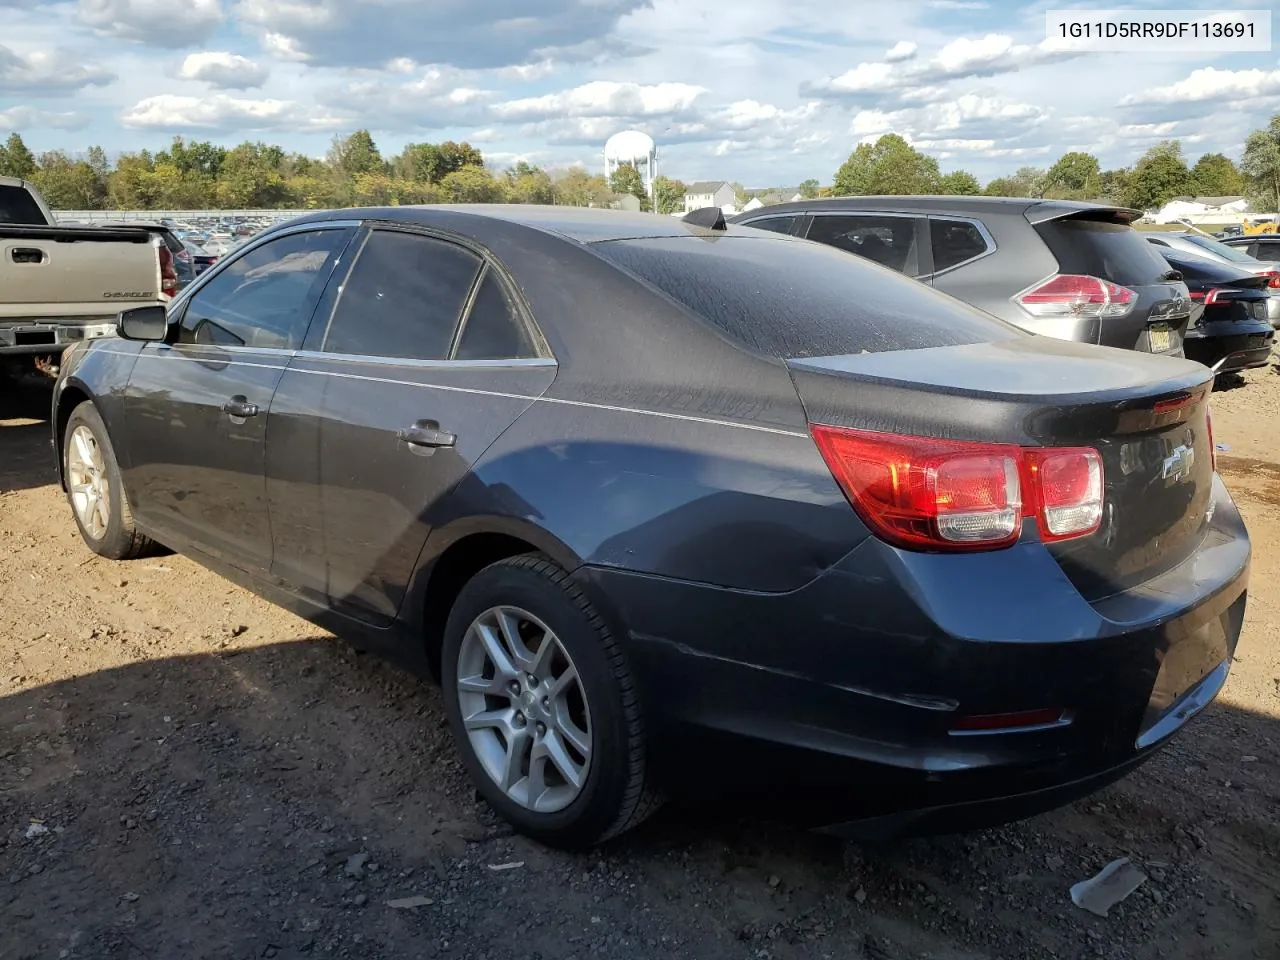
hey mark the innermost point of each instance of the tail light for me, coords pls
(923, 493)
(168, 275)
(1273, 278)
(1073, 295)
(1208, 299)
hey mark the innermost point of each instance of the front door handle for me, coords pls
(426, 433)
(239, 406)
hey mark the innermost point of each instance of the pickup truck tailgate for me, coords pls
(53, 273)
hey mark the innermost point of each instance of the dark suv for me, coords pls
(1065, 269)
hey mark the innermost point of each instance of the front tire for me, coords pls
(98, 501)
(543, 706)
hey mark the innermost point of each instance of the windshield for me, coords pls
(1219, 249)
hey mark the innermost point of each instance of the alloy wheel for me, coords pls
(87, 482)
(524, 708)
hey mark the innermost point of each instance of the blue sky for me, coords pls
(761, 91)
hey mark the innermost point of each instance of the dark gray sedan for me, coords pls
(677, 506)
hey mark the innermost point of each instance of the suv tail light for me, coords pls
(1073, 295)
(1273, 278)
(923, 493)
(168, 275)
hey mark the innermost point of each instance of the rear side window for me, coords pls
(1221, 249)
(773, 224)
(1268, 250)
(783, 298)
(1099, 248)
(889, 241)
(494, 329)
(403, 298)
(18, 206)
(954, 242)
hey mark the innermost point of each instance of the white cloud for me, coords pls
(25, 118)
(228, 71)
(900, 51)
(1210, 84)
(221, 112)
(988, 56)
(605, 98)
(477, 34)
(49, 73)
(163, 23)
(958, 4)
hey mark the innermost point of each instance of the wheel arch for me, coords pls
(70, 395)
(455, 553)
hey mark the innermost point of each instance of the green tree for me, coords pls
(740, 195)
(627, 180)
(889, 166)
(526, 183)
(1113, 186)
(1159, 176)
(668, 194)
(355, 154)
(15, 159)
(471, 184)
(1025, 182)
(250, 177)
(68, 184)
(809, 188)
(1261, 165)
(1214, 175)
(575, 187)
(960, 183)
(1076, 176)
(432, 162)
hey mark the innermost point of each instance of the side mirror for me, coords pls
(143, 323)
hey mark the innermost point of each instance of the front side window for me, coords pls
(265, 297)
(954, 242)
(889, 241)
(403, 298)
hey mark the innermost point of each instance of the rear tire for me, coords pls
(564, 703)
(94, 491)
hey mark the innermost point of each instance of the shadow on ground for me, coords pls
(269, 801)
(26, 456)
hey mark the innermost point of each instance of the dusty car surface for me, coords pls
(676, 506)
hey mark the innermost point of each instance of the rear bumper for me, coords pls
(1238, 349)
(836, 704)
(42, 338)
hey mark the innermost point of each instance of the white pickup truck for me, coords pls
(63, 284)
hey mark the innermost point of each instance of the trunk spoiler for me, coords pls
(1049, 210)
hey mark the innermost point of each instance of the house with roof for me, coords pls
(710, 193)
(1203, 210)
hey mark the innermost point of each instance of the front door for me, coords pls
(427, 358)
(197, 405)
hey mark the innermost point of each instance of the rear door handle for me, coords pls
(26, 255)
(426, 433)
(239, 406)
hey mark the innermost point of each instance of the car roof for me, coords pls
(1250, 237)
(1044, 209)
(581, 224)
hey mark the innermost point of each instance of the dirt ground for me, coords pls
(186, 771)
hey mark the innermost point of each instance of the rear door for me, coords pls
(426, 357)
(1101, 244)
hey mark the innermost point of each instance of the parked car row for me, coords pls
(1077, 271)
(673, 505)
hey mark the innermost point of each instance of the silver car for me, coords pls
(1201, 246)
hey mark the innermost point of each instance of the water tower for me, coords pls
(635, 148)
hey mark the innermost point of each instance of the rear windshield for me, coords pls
(791, 298)
(1112, 251)
(17, 206)
(1219, 249)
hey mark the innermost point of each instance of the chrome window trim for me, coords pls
(989, 240)
(423, 364)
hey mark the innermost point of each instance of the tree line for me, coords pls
(201, 175)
